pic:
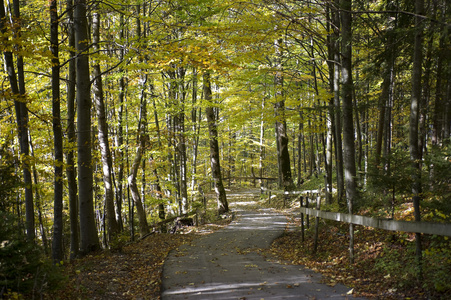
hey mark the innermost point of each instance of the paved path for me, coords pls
(224, 265)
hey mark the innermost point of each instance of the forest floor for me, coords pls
(135, 270)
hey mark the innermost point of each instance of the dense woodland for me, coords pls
(116, 115)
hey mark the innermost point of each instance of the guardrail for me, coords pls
(392, 225)
(443, 229)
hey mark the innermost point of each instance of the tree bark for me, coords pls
(71, 138)
(385, 102)
(337, 103)
(262, 147)
(57, 247)
(348, 124)
(89, 240)
(157, 185)
(413, 124)
(143, 225)
(195, 128)
(120, 136)
(142, 143)
(223, 206)
(285, 178)
(330, 110)
(437, 117)
(105, 152)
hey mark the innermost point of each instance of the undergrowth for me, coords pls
(384, 268)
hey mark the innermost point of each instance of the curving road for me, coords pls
(224, 265)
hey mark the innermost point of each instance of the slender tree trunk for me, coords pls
(358, 132)
(413, 124)
(285, 178)
(120, 135)
(437, 118)
(181, 147)
(120, 155)
(330, 111)
(71, 138)
(447, 110)
(105, 152)
(262, 147)
(384, 100)
(223, 206)
(158, 189)
(329, 142)
(89, 240)
(38, 202)
(195, 129)
(335, 47)
(348, 124)
(143, 225)
(143, 141)
(57, 248)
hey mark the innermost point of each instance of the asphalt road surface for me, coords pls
(226, 265)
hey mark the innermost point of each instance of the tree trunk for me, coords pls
(329, 142)
(120, 135)
(157, 187)
(195, 129)
(71, 138)
(223, 206)
(262, 147)
(143, 141)
(57, 248)
(385, 98)
(285, 178)
(89, 240)
(348, 124)
(437, 118)
(335, 48)
(38, 201)
(143, 225)
(413, 124)
(330, 111)
(105, 153)
(181, 146)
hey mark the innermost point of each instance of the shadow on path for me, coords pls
(225, 265)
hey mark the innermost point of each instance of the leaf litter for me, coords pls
(132, 273)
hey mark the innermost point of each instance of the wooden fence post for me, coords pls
(306, 205)
(302, 219)
(326, 190)
(318, 204)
